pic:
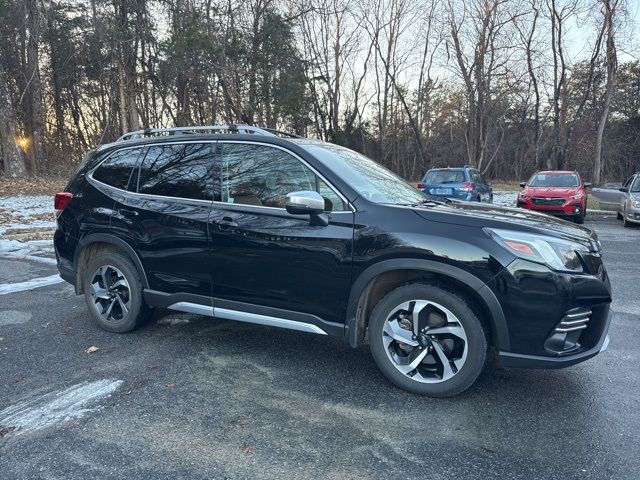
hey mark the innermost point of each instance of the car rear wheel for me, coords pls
(426, 339)
(113, 292)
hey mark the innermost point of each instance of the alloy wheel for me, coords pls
(425, 341)
(110, 293)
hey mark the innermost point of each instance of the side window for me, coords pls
(263, 176)
(182, 170)
(116, 170)
(628, 182)
(475, 176)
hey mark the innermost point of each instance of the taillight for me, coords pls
(61, 200)
(467, 186)
(420, 186)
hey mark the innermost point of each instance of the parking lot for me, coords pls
(194, 397)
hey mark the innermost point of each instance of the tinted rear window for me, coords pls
(178, 171)
(444, 176)
(116, 170)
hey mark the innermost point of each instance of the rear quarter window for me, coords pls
(117, 169)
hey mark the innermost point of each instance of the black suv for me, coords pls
(241, 223)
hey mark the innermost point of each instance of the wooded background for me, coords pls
(508, 86)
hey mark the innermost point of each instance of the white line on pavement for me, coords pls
(29, 285)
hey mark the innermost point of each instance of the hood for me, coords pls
(551, 191)
(488, 215)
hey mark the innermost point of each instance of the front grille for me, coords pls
(547, 201)
(566, 335)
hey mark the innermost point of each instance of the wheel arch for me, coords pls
(104, 242)
(378, 279)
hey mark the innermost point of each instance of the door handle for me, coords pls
(127, 213)
(227, 222)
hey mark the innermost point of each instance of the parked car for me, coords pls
(465, 184)
(625, 199)
(238, 223)
(556, 192)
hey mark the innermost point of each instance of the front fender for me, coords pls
(355, 327)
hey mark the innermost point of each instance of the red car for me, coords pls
(557, 192)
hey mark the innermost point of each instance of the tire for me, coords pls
(619, 216)
(429, 377)
(111, 279)
(491, 198)
(579, 219)
(625, 222)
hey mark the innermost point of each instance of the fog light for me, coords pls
(577, 209)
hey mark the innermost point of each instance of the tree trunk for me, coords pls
(612, 69)
(14, 166)
(34, 87)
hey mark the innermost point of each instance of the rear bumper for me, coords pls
(517, 360)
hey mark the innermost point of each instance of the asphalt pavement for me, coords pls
(194, 397)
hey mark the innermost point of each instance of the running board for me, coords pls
(246, 317)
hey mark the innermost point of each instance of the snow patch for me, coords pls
(14, 248)
(29, 284)
(505, 198)
(14, 317)
(57, 407)
(27, 206)
(26, 212)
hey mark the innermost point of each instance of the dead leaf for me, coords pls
(245, 448)
(239, 423)
(169, 385)
(91, 349)
(6, 430)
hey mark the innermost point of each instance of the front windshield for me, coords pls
(443, 176)
(635, 188)
(368, 178)
(566, 180)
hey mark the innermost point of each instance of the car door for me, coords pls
(625, 196)
(266, 261)
(164, 217)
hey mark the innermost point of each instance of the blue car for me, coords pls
(466, 184)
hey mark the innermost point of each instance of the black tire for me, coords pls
(579, 219)
(625, 222)
(461, 308)
(138, 311)
(491, 198)
(619, 216)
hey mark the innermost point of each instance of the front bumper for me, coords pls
(554, 319)
(569, 210)
(517, 360)
(633, 214)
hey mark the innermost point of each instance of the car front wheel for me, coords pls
(426, 339)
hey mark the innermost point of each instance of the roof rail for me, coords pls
(231, 128)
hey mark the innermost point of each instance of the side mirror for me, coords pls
(523, 184)
(304, 202)
(624, 189)
(587, 185)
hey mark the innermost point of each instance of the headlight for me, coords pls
(577, 196)
(556, 253)
(635, 203)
